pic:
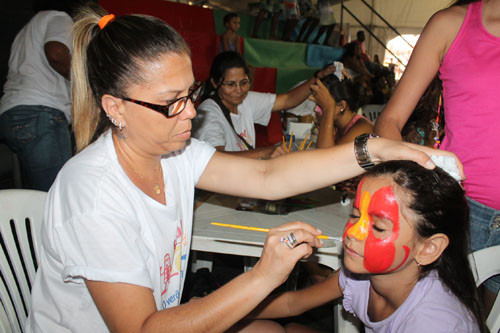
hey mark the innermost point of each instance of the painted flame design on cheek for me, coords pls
(357, 203)
(360, 229)
(380, 253)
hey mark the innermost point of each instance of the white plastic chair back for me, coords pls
(372, 111)
(487, 263)
(21, 213)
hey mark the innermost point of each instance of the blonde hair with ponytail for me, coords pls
(85, 110)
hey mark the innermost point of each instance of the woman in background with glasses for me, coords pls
(116, 234)
(229, 111)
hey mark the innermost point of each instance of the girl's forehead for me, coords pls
(371, 184)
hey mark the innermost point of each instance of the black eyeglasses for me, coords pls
(173, 108)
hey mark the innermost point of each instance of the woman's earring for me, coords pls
(113, 121)
(120, 126)
(418, 264)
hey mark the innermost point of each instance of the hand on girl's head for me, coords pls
(437, 152)
(387, 150)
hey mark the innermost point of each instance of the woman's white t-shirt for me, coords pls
(99, 226)
(211, 125)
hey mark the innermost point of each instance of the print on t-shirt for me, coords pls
(172, 271)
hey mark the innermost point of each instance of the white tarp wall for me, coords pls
(407, 16)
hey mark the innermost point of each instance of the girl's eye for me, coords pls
(377, 228)
(354, 216)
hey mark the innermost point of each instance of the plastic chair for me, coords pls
(372, 111)
(487, 264)
(21, 213)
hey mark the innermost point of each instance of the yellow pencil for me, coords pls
(235, 226)
(284, 144)
(304, 142)
(290, 142)
(309, 145)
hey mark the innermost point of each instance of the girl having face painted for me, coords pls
(405, 257)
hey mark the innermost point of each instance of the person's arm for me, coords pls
(322, 97)
(261, 153)
(59, 57)
(131, 308)
(357, 66)
(297, 95)
(294, 303)
(304, 171)
(423, 65)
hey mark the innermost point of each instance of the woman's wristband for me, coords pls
(361, 150)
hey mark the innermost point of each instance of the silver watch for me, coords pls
(361, 150)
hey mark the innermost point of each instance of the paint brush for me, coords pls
(235, 226)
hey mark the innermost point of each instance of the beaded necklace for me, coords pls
(435, 125)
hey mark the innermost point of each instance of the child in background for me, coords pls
(230, 40)
(405, 257)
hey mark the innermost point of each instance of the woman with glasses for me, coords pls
(117, 227)
(229, 111)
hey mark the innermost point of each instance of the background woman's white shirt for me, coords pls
(211, 125)
(99, 226)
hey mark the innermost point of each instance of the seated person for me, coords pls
(405, 266)
(354, 63)
(339, 101)
(229, 110)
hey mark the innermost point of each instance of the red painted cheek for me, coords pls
(380, 253)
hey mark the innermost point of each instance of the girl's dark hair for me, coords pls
(222, 62)
(227, 18)
(439, 204)
(108, 60)
(346, 90)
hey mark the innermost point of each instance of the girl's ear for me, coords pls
(343, 106)
(213, 83)
(431, 249)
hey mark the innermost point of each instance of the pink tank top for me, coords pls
(471, 93)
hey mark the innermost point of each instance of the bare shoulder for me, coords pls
(448, 20)
(443, 27)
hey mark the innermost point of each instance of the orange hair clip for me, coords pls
(105, 20)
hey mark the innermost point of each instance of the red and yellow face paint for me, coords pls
(379, 253)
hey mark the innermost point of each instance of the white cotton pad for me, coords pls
(448, 164)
